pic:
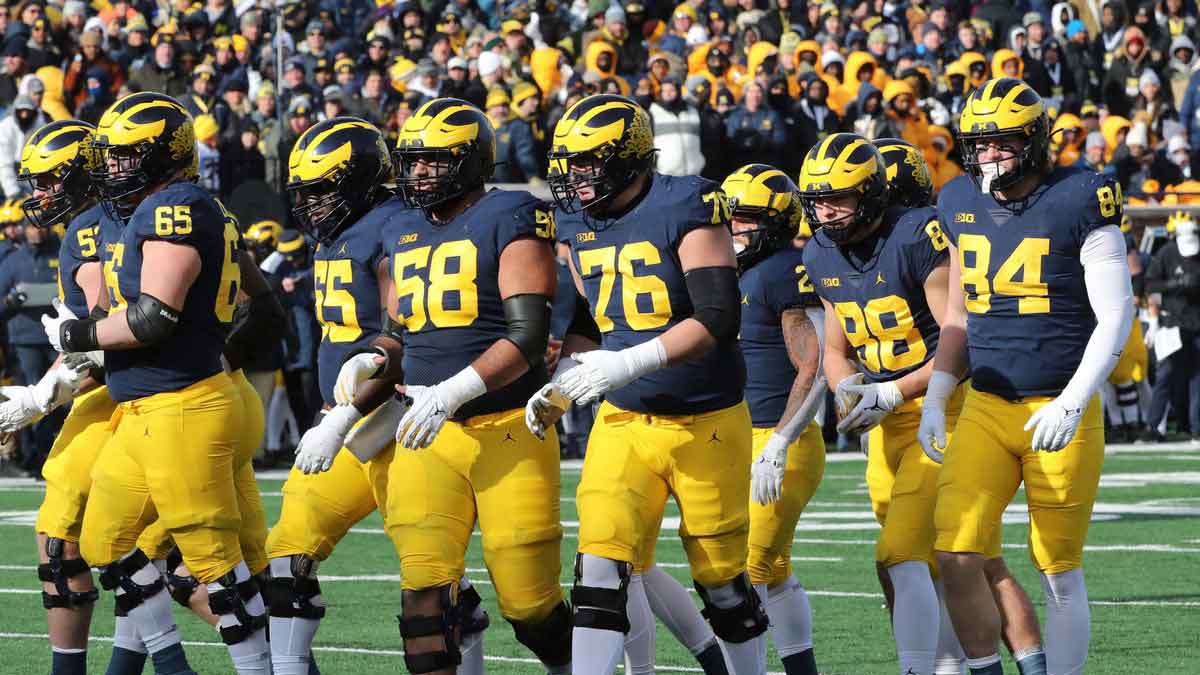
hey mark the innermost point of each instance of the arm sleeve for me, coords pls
(1106, 275)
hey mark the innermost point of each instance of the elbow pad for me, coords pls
(717, 302)
(150, 320)
(583, 323)
(528, 318)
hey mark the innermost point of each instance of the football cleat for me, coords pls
(845, 164)
(445, 150)
(766, 196)
(55, 165)
(338, 170)
(600, 147)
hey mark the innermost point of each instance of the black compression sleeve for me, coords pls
(528, 318)
(717, 302)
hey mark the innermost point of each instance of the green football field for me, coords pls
(1142, 564)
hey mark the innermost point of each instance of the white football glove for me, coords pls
(432, 406)
(1054, 425)
(766, 474)
(545, 408)
(601, 371)
(19, 409)
(843, 398)
(53, 324)
(320, 444)
(876, 400)
(356, 370)
(932, 430)
(58, 386)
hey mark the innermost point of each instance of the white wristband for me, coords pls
(342, 418)
(466, 385)
(645, 358)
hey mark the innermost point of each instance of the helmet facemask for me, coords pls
(1032, 158)
(608, 174)
(320, 205)
(761, 241)
(447, 174)
(65, 192)
(121, 178)
(854, 226)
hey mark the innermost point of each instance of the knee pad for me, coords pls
(292, 597)
(468, 602)
(550, 638)
(441, 624)
(120, 575)
(601, 608)
(180, 587)
(744, 621)
(57, 571)
(231, 599)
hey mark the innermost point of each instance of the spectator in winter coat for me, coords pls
(91, 55)
(16, 128)
(1122, 81)
(98, 97)
(676, 131)
(755, 131)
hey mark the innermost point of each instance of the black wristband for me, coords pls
(78, 335)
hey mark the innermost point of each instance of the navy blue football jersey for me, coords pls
(634, 283)
(347, 291)
(1029, 315)
(446, 277)
(877, 290)
(80, 245)
(770, 288)
(181, 213)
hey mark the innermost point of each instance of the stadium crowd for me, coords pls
(725, 83)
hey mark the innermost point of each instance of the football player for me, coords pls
(257, 324)
(653, 257)
(55, 163)
(880, 274)
(339, 173)
(1037, 263)
(780, 336)
(172, 284)
(473, 276)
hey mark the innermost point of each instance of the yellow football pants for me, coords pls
(157, 544)
(491, 469)
(990, 456)
(635, 460)
(319, 509)
(171, 456)
(903, 485)
(1135, 360)
(68, 469)
(773, 527)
